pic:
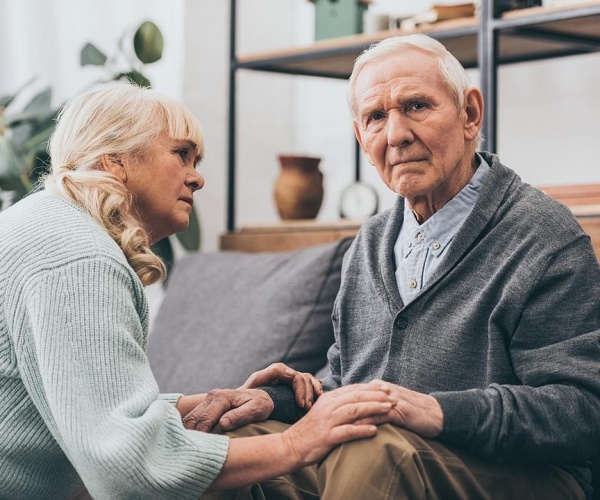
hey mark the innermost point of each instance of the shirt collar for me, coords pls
(438, 231)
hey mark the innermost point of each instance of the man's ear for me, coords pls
(356, 127)
(114, 165)
(473, 107)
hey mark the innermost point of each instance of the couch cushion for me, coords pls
(226, 315)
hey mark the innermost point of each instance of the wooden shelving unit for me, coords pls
(526, 34)
(485, 42)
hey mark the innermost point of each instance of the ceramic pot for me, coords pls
(299, 187)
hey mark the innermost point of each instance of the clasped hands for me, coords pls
(228, 409)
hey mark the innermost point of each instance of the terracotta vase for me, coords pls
(299, 187)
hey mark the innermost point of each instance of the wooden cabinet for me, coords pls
(287, 235)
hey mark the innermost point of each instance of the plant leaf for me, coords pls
(40, 135)
(5, 100)
(40, 102)
(135, 77)
(37, 110)
(20, 134)
(148, 43)
(190, 238)
(16, 119)
(92, 55)
(11, 165)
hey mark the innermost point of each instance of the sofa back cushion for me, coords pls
(226, 315)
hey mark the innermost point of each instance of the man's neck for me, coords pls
(427, 205)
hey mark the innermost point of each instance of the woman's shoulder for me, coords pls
(46, 230)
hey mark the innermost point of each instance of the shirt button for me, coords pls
(401, 322)
(412, 283)
(436, 246)
(420, 236)
(409, 244)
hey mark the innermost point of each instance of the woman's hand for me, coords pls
(345, 414)
(306, 387)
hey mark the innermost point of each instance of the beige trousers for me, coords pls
(398, 464)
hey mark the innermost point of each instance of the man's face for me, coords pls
(410, 128)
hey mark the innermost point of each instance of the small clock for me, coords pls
(359, 200)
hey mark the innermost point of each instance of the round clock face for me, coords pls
(359, 200)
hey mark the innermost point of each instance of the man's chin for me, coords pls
(407, 188)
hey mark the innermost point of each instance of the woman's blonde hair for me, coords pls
(119, 120)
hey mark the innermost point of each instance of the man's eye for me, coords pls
(377, 116)
(417, 106)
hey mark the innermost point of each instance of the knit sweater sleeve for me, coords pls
(333, 379)
(82, 361)
(555, 352)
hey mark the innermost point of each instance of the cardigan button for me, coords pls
(401, 322)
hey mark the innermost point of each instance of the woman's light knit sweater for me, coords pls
(78, 401)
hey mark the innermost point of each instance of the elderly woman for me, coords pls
(79, 407)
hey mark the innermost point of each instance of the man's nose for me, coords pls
(399, 132)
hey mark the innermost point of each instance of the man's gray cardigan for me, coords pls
(505, 335)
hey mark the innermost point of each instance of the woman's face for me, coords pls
(163, 185)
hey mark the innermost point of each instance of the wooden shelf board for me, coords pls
(335, 57)
(302, 225)
(541, 11)
(289, 235)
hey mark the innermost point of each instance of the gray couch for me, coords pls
(226, 315)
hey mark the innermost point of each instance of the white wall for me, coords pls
(43, 38)
(548, 119)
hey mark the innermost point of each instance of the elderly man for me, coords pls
(476, 298)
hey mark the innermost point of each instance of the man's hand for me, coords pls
(306, 387)
(228, 409)
(414, 411)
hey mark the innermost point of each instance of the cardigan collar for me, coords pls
(495, 189)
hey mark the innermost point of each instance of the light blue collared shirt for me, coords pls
(420, 247)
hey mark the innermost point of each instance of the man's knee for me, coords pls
(390, 443)
(376, 467)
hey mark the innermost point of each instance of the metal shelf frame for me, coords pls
(485, 43)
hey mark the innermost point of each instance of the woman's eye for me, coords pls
(183, 153)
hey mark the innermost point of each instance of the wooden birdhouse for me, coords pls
(335, 18)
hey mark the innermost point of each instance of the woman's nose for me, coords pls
(195, 181)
